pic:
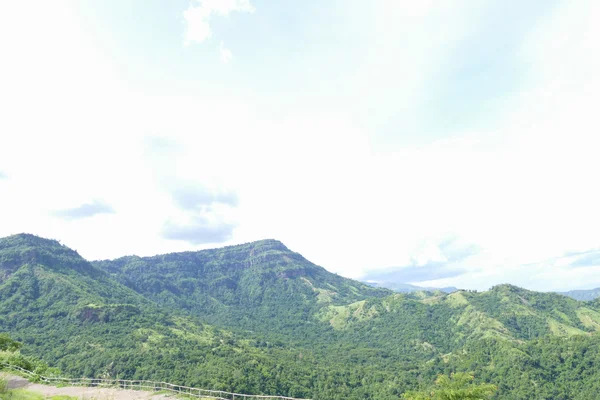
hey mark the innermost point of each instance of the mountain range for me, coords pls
(583, 295)
(401, 287)
(259, 318)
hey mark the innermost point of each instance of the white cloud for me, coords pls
(409, 43)
(522, 192)
(225, 54)
(199, 13)
(427, 252)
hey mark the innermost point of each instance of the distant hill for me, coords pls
(583, 295)
(408, 288)
(396, 278)
(259, 318)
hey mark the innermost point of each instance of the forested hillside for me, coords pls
(260, 286)
(259, 318)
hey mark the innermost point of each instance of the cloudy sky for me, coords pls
(449, 142)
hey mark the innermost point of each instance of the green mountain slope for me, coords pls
(449, 321)
(77, 318)
(260, 286)
(42, 276)
(259, 318)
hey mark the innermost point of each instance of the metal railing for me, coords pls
(145, 385)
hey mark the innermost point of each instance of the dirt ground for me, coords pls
(87, 393)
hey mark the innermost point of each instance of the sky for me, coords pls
(445, 142)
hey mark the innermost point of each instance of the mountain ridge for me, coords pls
(409, 288)
(272, 243)
(260, 318)
(250, 280)
(582, 294)
(35, 242)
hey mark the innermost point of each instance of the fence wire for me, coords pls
(145, 385)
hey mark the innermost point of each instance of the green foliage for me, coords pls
(258, 318)
(260, 286)
(12, 356)
(7, 344)
(458, 386)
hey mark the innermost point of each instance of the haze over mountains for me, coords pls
(259, 318)
(583, 295)
(408, 288)
(400, 287)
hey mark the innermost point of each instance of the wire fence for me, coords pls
(144, 385)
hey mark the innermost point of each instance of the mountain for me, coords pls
(443, 323)
(260, 318)
(408, 288)
(395, 278)
(583, 295)
(41, 275)
(81, 320)
(259, 286)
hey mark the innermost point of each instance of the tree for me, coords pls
(6, 343)
(457, 386)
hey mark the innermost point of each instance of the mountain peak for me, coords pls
(25, 248)
(269, 247)
(27, 239)
(271, 244)
(507, 287)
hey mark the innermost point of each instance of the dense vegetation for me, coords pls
(258, 286)
(457, 386)
(259, 318)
